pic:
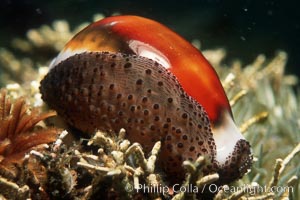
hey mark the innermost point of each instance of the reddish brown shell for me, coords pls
(135, 35)
(111, 91)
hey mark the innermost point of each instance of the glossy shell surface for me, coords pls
(134, 73)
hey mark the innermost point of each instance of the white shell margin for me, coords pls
(226, 137)
(63, 55)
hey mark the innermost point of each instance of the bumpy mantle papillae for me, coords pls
(109, 91)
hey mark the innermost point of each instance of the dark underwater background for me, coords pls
(244, 28)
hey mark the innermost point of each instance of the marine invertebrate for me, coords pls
(267, 88)
(119, 164)
(100, 88)
(264, 86)
(18, 134)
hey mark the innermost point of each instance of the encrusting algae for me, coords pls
(108, 165)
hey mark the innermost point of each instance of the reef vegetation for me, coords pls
(43, 158)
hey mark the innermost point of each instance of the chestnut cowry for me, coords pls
(134, 73)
